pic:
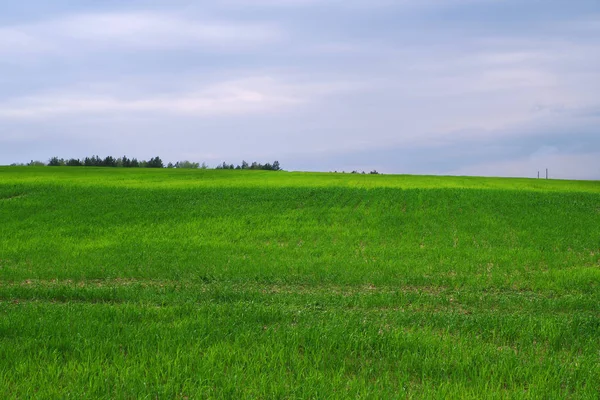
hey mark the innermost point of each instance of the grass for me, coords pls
(119, 283)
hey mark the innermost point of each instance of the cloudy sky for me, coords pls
(460, 87)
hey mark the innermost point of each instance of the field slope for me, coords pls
(138, 283)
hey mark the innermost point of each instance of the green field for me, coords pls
(141, 283)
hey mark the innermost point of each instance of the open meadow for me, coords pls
(167, 283)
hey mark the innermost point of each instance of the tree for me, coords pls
(109, 161)
(155, 162)
(276, 166)
(74, 162)
(96, 161)
(56, 162)
(244, 164)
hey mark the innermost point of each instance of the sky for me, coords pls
(445, 87)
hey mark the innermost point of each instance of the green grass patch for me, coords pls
(120, 283)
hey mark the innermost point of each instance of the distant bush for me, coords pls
(187, 164)
(374, 172)
(33, 163)
(30, 164)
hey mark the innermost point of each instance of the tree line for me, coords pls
(268, 166)
(154, 162)
(374, 172)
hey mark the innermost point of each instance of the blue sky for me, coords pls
(460, 87)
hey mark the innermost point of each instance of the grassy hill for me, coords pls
(130, 283)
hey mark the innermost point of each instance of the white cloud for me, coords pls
(234, 97)
(139, 30)
(17, 41)
(484, 87)
(350, 3)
